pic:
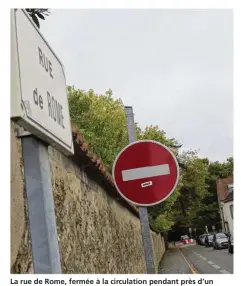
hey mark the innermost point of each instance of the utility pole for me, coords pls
(144, 220)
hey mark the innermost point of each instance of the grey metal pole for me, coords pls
(37, 176)
(144, 220)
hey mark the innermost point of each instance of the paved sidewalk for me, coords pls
(173, 262)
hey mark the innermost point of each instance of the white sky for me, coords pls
(173, 66)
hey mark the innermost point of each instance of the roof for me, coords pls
(95, 168)
(222, 187)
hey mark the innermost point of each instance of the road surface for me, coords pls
(207, 260)
(196, 259)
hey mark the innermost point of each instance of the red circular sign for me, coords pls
(145, 173)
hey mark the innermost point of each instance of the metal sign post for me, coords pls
(38, 185)
(145, 229)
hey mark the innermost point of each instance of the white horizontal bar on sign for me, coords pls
(145, 172)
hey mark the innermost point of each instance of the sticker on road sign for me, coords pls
(145, 172)
(146, 184)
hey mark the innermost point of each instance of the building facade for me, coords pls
(228, 213)
(225, 199)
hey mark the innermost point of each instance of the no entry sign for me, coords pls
(145, 173)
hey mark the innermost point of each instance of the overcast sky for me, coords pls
(173, 66)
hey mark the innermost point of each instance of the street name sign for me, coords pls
(39, 101)
(145, 173)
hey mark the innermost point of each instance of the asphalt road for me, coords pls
(208, 261)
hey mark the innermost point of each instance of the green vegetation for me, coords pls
(37, 14)
(101, 120)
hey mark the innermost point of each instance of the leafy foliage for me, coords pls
(202, 208)
(101, 120)
(184, 203)
(38, 13)
(154, 133)
(208, 213)
(162, 223)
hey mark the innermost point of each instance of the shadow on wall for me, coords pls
(97, 232)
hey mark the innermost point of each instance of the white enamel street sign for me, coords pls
(39, 100)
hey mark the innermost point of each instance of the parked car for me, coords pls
(201, 239)
(198, 239)
(208, 240)
(220, 240)
(230, 243)
(185, 239)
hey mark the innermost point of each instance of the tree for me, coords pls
(192, 190)
(158, 135)
(38, 13)
(197, 205)
(208, 214)
(101, 120)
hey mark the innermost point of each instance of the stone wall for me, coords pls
(97, 232)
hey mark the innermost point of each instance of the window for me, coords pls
(230, 188)
(231, 210)
(221, 235)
